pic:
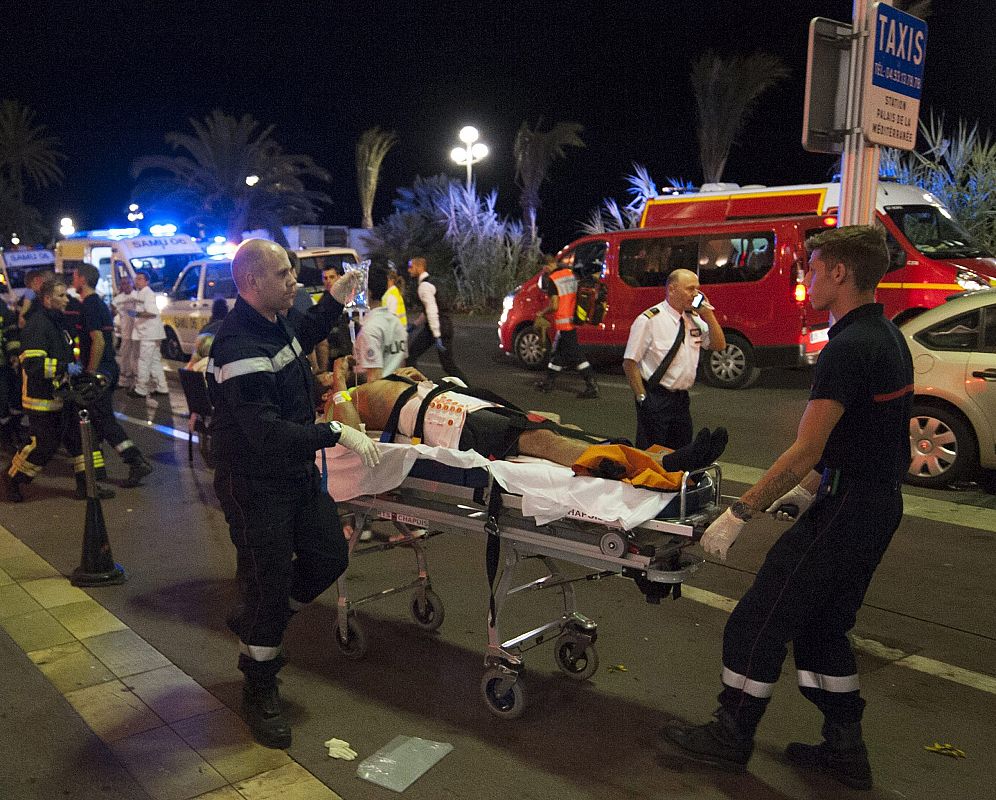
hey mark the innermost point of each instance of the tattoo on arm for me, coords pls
(772, 486)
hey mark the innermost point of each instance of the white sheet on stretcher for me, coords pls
(549, 491)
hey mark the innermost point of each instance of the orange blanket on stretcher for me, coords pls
(627, 464)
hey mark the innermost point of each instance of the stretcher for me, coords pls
(470, 495)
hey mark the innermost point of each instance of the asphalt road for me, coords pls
(927, 631)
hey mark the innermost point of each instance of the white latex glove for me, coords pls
(347, 287)
(800, 497)
(340, 749)
(721, 534)
(361, 444)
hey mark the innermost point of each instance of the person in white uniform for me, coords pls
(123, 302)
(148, 333)
(382, 344)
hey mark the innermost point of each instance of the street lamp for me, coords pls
(66, 227)
(135, 213)
(15, 239)
(471, 153)
(252, 180)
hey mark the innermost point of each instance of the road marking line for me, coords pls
(928, 666)
(983, 519)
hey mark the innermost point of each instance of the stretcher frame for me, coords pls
(652, 554)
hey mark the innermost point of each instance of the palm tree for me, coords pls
(534, 151)
(726, 91)
(371, 148)
(28, 155)
(208, 178)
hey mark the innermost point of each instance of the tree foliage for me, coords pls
(726, 92)
(478, 254)
(206, 181)
(958, 168)
(535, 150)
(371, 148)
(610, 216)
(29, 156)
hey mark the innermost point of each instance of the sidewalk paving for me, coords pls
(88, 709)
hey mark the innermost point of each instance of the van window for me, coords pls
(312, 267)
(218, 282)
(989, 340)
(163, 269)
(648, 261)
(187, 288)
(736, 259)
(934, 233)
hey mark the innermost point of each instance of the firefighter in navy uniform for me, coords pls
(289, 544)
(561, 284)
(97, 357)
(842, 474)
(47, 360)
(10, 347)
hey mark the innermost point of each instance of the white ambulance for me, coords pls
(14, 265)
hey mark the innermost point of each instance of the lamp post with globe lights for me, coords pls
(66, 227)
(472, 152)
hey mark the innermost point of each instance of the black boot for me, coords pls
(103, 493)
(545, 384)
(13, 486)
(590, 391)
(138, 467)
(261, 702)
(717, 743)
(842, 754)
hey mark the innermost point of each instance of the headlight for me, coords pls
(970, 282)
(506, 304)
(162, 301)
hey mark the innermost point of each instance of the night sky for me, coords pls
(110, 79)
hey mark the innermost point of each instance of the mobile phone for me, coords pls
(698, 300)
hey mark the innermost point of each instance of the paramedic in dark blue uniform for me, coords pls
(289, 545)
(843, 476)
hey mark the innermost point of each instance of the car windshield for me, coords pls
(164, 269)
(934, 233)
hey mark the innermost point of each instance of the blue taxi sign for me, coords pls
(897, 49)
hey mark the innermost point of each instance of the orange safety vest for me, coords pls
(567, 291)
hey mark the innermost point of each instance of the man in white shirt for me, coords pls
(123, 302)
(433, 310)
(671, 333)
(382, 344)
(147, 333)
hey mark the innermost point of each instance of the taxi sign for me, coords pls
(897, 47)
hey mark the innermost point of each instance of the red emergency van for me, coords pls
(748, 248)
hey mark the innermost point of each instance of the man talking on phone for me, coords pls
(662, 356)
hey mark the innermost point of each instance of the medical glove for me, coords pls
(345, 289)
(340, 749)
(74, 369)
(721, 534)
(800, 498)
(440, 346)
(361, 444)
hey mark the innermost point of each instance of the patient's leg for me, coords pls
(704, 449)
(551, 446)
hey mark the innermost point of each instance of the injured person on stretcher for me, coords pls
(408, 407)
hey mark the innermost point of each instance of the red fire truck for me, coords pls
(748, 248)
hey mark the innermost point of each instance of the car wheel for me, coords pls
(530, 347)
(171, 347)
(942, 447)
(733, 366)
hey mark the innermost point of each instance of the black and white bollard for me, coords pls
(97, 567)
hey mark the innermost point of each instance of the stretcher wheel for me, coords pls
(429, 615)
(612, 544)
(575, 659)
(354, 646)
(503, 694)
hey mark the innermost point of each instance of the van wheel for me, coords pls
(942, 447)
(171, 347)
(530, 348)
(732, 367)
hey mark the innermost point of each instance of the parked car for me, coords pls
(953, 429)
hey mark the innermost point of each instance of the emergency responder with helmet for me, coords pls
(47, 362)
(561, 284)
